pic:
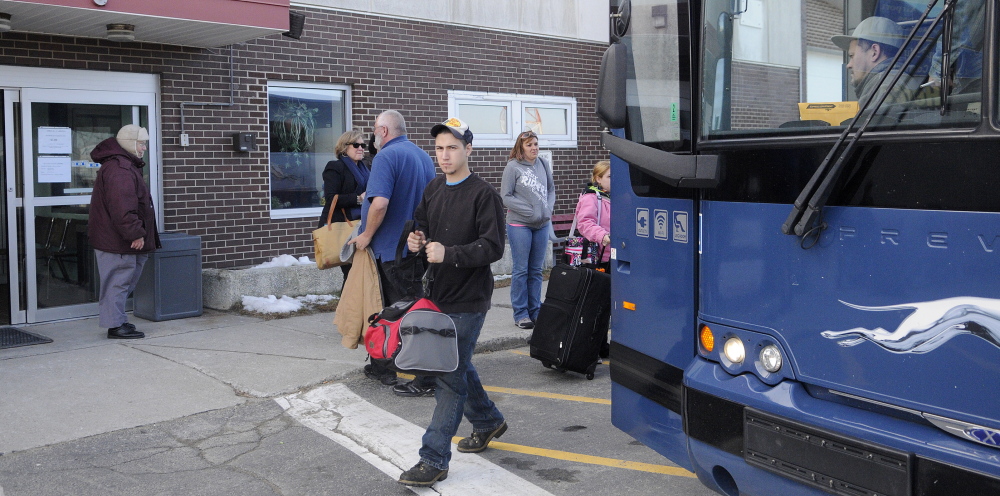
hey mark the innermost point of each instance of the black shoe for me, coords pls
(478, 441)
(422, 475)
(125, 331)
(411, 390)
(387, 378)
(525, 323)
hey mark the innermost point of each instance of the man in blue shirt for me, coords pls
(400, 172)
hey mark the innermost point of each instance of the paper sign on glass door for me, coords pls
(54, 170)
(55, 140)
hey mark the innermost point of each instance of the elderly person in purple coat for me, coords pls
(122, 226)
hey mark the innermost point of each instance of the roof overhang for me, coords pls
(197, 23)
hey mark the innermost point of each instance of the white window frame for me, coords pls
(311, 212)
(516, 104)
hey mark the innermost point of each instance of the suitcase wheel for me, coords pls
(590, 372)
(590, 376)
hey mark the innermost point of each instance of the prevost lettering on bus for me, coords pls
(888, 236)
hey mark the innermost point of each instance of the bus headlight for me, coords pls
(734, 350)
(770, 358)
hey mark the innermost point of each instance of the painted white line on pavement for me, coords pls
(390, 443)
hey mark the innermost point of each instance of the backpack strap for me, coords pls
(409, 227)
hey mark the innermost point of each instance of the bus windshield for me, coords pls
(774, 67)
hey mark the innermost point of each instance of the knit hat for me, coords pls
(128, 135)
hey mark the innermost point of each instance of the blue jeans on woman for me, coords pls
(459, 392)
(527, 252)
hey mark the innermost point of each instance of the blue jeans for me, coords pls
(527, 252)
(457, 393)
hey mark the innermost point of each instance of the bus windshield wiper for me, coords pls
(946, 57)
(804, 220)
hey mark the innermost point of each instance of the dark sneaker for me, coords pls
(422, 475)
(525, 323)
(411, 390)
(388, 378)
(478, 441)
(125, 331)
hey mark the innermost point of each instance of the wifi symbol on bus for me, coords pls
(660, 224)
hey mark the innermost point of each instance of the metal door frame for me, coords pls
(29, 96)
(7, 98)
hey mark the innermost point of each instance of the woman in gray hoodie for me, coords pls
(529, 196)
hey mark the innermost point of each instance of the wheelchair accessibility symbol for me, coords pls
(680, 224)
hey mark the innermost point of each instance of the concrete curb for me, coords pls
(502, 344)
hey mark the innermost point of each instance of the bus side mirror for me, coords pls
(611, 86)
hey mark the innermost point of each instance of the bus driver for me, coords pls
(869, 50)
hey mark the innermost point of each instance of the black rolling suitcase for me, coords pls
(573, 321)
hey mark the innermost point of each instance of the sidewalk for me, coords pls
(84, 384)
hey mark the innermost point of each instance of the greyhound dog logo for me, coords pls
(931, 324)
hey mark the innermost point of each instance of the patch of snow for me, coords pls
(271, 304)
(284, 261)
(501, 277)
(285, 304)
(316, 299)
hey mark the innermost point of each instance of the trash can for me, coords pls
(170, 284)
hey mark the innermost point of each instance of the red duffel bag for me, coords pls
(413, 336)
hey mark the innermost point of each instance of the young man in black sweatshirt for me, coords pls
(461, 229)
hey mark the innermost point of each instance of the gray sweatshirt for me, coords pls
(528, 192)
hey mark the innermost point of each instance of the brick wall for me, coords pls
(224, 197)
(823, 21)
(764, 96)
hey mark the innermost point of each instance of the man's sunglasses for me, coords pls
(357, 145)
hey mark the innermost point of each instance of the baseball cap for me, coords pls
(457, 127)
(875, 29)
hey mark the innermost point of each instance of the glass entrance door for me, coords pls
(59, 128)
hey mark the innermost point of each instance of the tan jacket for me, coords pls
(360, 297)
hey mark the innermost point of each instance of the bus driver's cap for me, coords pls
(875, 29)
(457, 127)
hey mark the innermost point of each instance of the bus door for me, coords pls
(645, 97)
(655, 240)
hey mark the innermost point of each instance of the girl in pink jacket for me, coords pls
(593, 211)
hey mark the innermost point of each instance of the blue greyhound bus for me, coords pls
(806, 234)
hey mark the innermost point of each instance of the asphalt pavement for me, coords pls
(232, 404)
(83, 384)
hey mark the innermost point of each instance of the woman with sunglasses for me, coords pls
(348, 177)
(529, 195)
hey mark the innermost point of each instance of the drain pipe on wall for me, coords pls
(184, 139)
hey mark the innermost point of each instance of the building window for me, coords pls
(304, 122)
(496, 118)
